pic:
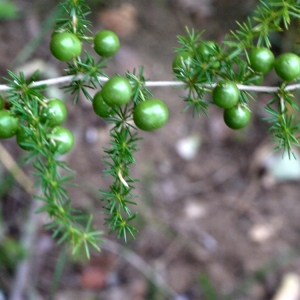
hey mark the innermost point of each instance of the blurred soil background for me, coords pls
(218, 210)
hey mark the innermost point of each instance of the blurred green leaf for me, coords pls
(11, 252)
(8, 10)
(207, 287)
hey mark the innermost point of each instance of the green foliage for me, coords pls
(11, 253)
(233, 60)
(199, 64)
(37, 117)
(8, 9)
(25, 102)
(119, 157)
(207, 287)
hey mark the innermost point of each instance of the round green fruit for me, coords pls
(65, 46)
(226, 94)
(62, 139)
(257, 79)
(54, 113)
(261, 60)
(182, 60)
(237, 117)
(24, 139)
(117, 91)
(106, 43)
(287, 66)
(9, 124)
(100, 107)
(207, 50)
(151, 114)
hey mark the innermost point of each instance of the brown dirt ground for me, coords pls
(219, 214)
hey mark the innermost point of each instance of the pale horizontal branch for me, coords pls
(67, 79)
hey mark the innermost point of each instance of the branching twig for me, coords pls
(140, 264)
(13, 168)
(22, 278)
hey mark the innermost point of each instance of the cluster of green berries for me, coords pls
(148, 115)
(205, 53)
(226, 94)
(65, 46)
(52, 113)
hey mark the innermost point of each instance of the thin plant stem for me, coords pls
(23, 271)
(140, 264)
(67, 79)
(11, 165)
